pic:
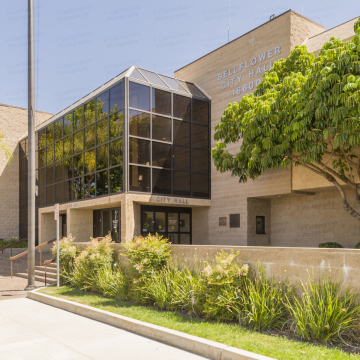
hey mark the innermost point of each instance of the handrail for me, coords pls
(11, 245)
(25, 252)
(47, 262)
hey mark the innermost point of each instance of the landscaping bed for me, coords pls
(271, 343)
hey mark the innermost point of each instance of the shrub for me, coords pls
(325, 311)
(98, 255)
(357, 246)
(330, 245)
(176, 288)
(22, 244)
(224, 281)
(263, 301)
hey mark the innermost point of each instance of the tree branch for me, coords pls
(334, 173)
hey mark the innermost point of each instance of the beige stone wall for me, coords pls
(307, 220)
(294, 263)
(258, 207)
(80, 224)
(13, 124)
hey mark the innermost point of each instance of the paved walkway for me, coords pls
(31, 330)
(13, 288)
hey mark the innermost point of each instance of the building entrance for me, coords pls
(170, 222)
(107, 221)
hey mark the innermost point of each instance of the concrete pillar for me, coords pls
(80, 224)
(130, 218)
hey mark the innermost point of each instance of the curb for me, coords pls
(194, 344)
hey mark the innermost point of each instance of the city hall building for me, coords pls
(133, 157)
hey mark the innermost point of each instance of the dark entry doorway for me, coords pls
(63, 225)
(107, 221)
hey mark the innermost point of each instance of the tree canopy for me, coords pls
(305, 110)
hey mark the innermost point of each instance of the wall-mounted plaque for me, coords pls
(222, 221)
(234, 220)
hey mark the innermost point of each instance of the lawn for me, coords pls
(273, 346)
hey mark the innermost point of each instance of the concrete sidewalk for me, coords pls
(13, 288)
(32, 330)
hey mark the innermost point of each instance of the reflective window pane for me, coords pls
(59, 193)
(152, 77)
(78, 118)
(200, 136)
(89, 112)
(50, 134)
(68, 168)
(89, 186)
(173, 222)
(68, 190)
(147, 221)
(161, 128)
(139, 96)
(78, 165)
(59, 129)
(116, 125)
(78, 190)
(42, 177)
(59, 171)
(161, 101)
(116, 152)
(182, 183)
(68, 124)
(161, 181)
(116, 180)
(136, 75)
(160, 222)
(182, 107)
(50, 175)
(200, 185)
(59, 150)
(161, 154)
(68, 146)
(102, 129)
(90, 137)
(42, 138)
(139, 123)
(181, 132)
(173, 238)
(139, 178)
(194, 90)
(102, 105)
(50, 154)
(102, 157)
(182, 158)
(139, 151)
(200, 161)
(184, 222)
(116, 98)
(200, 112)
(42, 158)
(78, 142)
(173, 84)
(42, 197)
(89, 162)
(50, 195)
(102, 183)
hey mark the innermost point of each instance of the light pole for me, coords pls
(31, 149)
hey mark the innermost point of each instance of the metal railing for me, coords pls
(47, 262)
(25, 252)
(11, 245)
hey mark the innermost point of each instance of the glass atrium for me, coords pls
(141, 132)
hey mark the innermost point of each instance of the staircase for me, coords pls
(20, 266)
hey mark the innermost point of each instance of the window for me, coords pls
(139, 96)
(139, 124)
(78, 118)
(200, 112)
(68, 124)
(59, 129)
(182, 133)
(116, 98)
(260, 224)
(50, 134)
(102, 183)
(139, 152)
(89, 112)
(139, 178)
(161, 154)
(161, 102)
(182, 107)
(182, 183)
(116, 125)
(161, 128)
(116, 180)
(181, 158)
(102, 129)
(102, 105)
(161, 181)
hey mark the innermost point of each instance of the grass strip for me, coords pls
(274, 346)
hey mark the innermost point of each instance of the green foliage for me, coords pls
(330, 245)
(22, 244)
(357, 246)
(147, 255)
(325, 311)
(224, 281)
(303, 109)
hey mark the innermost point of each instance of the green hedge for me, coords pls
(333, 245)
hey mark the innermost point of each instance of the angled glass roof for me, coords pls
(165, 81)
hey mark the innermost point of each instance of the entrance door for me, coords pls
(105, 222)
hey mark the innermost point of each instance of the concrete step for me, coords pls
(38, 278)
(48, 275)
(49, 270)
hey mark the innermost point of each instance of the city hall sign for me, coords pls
(258, 65)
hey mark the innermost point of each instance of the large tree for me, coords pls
(305, 111)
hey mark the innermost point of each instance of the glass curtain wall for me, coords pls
(169, 145)
(81, 154)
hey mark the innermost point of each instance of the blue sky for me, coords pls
(82, 44)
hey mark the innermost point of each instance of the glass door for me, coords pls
(106, 222)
